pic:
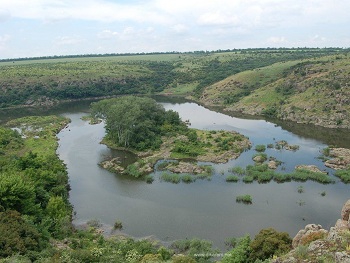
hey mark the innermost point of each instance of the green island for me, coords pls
(141, 125)
(303, 85)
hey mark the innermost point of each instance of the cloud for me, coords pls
(68, 40)
(4, 39)
(277, 40)
(180, 28)
(4, 15)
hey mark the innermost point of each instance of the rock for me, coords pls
(342, 257)
(312, 168)
(272, 165)
(303, 234)
(333, 235)
(340, 160)
(259, 159)
(341, 225)
(345, 211)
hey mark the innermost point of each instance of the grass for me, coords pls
(187, 178)
(237, 170)
(344, 175)
(246, 199)
(172, 178)
(232, 179)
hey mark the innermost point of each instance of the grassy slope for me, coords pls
(311, 91)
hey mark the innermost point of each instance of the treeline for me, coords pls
(246, 50)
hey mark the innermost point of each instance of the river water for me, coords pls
(206, 208)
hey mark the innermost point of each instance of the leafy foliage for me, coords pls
(136, 122)
(269, 242)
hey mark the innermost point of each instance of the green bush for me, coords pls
(260, 148)
(237, 170)
(240, 253)
(17, 235)
(268, 242)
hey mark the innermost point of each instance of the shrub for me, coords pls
(307, 239)
(260, 148)
(17, 235)
(118, 224)
(200, 249)
(268, 242)
(240, 253)
(246, 199)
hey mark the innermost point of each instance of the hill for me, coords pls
(312, 91)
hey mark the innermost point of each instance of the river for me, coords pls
(206, 208)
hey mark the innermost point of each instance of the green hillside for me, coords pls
(307, 91)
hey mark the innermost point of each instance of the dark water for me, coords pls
(203, 209)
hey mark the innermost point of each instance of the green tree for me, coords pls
(135, 122)
(240, 253)
(268, 242)
(17, 235)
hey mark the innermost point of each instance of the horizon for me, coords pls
(61, 28)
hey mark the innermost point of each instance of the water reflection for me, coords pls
(204, 209)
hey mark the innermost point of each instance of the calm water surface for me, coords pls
(203, 209)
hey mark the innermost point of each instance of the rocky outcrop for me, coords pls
(112, 165)
(322, 245)
(340, 158)
(307, 233)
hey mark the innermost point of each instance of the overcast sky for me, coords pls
(62, 27)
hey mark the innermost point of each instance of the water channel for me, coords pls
(206, 208)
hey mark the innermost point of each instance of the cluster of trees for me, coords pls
(34, 203)
(136, 122)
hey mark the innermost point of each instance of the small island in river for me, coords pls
(142, 126)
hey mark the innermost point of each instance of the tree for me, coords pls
(268, 242)
(134, 122)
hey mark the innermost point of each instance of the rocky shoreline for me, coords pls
(315, 244)
(147, 160)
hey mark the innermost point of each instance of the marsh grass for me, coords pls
(246, 199)
(172, 178)
(232, 179)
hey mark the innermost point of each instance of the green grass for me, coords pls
(237, 170)
(232, 179)
(172, 178)
(344, 175)
(246, 199)
(187, 178)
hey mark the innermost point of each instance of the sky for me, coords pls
(32, 28)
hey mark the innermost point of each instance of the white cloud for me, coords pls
(180, 28)
(4, 39)
(68, 40)
(4, 15)
(277, 40)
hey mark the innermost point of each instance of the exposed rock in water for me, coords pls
(312, 168)
(185, 167)
(340, 158)
(272, 164)
(112, 165)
